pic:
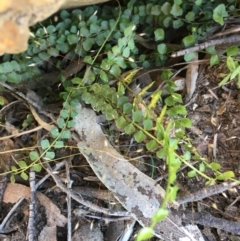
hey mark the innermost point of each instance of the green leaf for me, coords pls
(71, 124)
(162, 153)
(74, 29)
(85, 32)
(173, 193)
(170, 100)
(131, 44)
(103, 76)
(6, 68)
(190, 16)
(211, 50)
(139, 136)
(87, 44)
(45, 144)
(176, 10)
(94, 28)
(192, 173)
(162, 48)
(129, 129)
(37, 167)
(49, 155)
(225, 80)
(127, 108)
(167, 22)
(219, 13)
(64, 114)
(116, 50)
(59, 144)
(214, 60)
(14, 169)
(126, 52)
(159, 34)
(40, 32)
(185, 122)
(225, 176)
(64, 48)
(137, 116)
(189, 41)
(72, 39)
(230, 63)
(160, 215)
(190, 56)
(177, 23)
(64, 14)
(198, 2)
(22, 164)
(145, 233)
(24, 176)
(12, 179)
(215, 166)
(235, 73)
(147, 124)
(166, 8)
(55, 132)
(66, 134)
(122, 100)
(202, 167)
(156, 10)
(53, 51)
(152, 145)
(238, 81)
(115, 70)
(187, 155)
(14, 78)
(129, 30)
(232, 50)
(60, 122)
(33, 156)
(2, 100)
(121, 122)
(180, 109)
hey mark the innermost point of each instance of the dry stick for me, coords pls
(86, 203)
(28, 100)
(107, 219)
(215, 42)
(8, 216)
(209, 220)
(206, 192)
(22, 133)
(56, 168)
(32, 206)
(69, 203)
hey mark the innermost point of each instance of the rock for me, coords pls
(17, 16)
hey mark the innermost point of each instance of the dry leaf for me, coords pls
(17, 16)
(16, 191)
(191, 78)
(132, 188)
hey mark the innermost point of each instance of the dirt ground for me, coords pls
(215, 113)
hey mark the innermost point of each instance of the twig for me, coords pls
(209, 220)
(28, 100)
(86, 203)
(32, 206)
(215, 42)
(22, 133)
(56, 168)
(69, 186)
(9, 215)
(108, 219)
(206, 192)
(127, 233)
